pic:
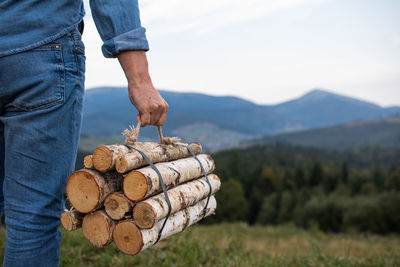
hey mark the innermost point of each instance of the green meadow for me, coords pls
(241, 245)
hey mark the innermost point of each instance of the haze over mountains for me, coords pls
(220, 122)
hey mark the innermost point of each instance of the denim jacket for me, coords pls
(26, 24)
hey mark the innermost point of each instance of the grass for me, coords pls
(241, 245)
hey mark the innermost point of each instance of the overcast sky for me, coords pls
(265, 51)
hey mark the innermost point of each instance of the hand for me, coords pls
(151, 106)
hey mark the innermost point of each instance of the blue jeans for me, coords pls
(41, 93)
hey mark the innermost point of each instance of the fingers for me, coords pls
(163, 116)
(155, 115)
(150, 104)
(145, 118)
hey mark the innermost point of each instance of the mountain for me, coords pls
(378, 132)
(108, 111)
(220, 122)
(320, 108)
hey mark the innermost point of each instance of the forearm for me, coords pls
(119, 26)
(135, 66)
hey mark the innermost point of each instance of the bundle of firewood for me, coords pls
(116, 197)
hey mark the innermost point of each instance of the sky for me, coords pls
(264, 51)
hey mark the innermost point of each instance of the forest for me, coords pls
(356, 190)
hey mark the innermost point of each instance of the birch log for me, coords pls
(144, 182)
(131, 240)
(71, 220)
(88, 162)
(148, 212)
(87, 189)
(97, 227)
(156, 153)
(117, 205)
(105, 157)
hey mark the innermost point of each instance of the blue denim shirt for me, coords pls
(26, 24)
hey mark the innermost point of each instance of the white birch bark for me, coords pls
(131, 240)
(105, 157)
(155, 152)
(144, 182)
(148, 212)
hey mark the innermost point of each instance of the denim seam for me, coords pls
(77, 63)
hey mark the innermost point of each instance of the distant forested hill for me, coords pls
(378, 132)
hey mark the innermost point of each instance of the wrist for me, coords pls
(139, 81)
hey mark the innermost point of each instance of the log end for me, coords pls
(196, 148)
(144, 215)
(128, 237)
(121, 164)
(102, 158)
(83, 192)
(88, 162)
(68, 222)
(135, 186)
(98, 228)
(116, 206)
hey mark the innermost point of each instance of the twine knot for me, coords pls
(132, 134)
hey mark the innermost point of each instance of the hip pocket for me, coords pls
(41, 77)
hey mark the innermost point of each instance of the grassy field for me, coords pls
(241, 245)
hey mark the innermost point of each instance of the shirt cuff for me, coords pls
(132, 40)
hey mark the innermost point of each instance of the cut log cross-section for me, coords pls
(88, 162)
(104, 157)
(144, 182)
(124, 159)
(71, 220)
(131, 240)
(87, 189)
(97, 227)
(148, 212)
(117, 205)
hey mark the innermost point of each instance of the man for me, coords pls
(42, 66)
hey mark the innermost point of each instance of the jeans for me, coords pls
(41, 94)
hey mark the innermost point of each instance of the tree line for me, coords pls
(352, 190)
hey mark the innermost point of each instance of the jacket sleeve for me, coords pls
(118, 23)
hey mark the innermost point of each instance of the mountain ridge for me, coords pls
(108, 111)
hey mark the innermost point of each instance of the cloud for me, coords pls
(179, 16)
